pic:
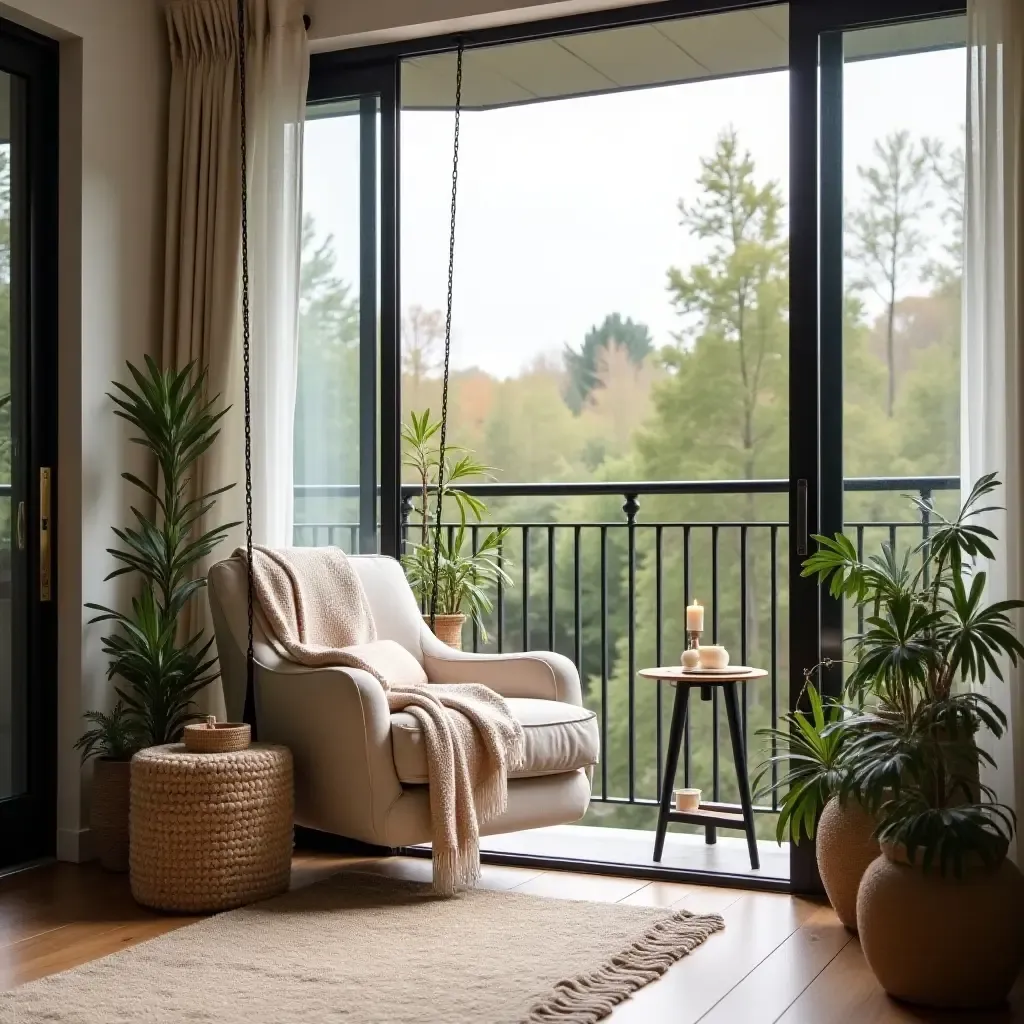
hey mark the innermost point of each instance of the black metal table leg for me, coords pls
(739, 754)
(675, 741)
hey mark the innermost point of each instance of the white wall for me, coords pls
(114, 74)
(344, 23)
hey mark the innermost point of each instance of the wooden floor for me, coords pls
(779, 959)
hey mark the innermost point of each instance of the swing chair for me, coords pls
(361, 771)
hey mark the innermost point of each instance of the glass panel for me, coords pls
(903, 138)
(13, 721)
(620, 314)
(335, 331)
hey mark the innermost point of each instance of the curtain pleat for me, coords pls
(202, 308)
(992, 360)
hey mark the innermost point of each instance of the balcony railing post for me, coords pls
(406, 514)
(926, 529)
(631, 507)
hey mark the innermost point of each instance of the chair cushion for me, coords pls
(558, 738)
(391, 661)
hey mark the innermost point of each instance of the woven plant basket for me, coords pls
(448, 629)
(210, 831)
(108, 814)
(213, 737)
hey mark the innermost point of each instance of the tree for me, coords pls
(947, 168)
(326, 447)
(885, 231)
(583, 367)
(422, 350)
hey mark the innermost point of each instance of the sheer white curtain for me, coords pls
(992, 406)
(202, 312)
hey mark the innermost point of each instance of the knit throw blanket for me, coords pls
(311, 605)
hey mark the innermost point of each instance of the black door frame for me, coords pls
(28, 821)
(816, 285)
(816, 320)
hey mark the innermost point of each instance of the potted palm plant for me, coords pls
(158, 670)
(110, 743)
(941, 911)
(466, 573)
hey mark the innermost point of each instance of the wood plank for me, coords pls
(755, 925)
(700, 899)
(75, 944)
(846, 991)
(778, 980)
(567, 885)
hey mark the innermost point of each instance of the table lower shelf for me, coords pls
(708, 815)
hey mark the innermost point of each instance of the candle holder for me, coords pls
(693, 644)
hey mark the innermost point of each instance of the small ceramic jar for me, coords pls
(690, 658)
(714, 656)
(687, 799)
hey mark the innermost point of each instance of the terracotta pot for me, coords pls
(845, 848)
(448, 629)
(945, 942)
(108, 817)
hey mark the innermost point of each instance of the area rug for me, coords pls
(365, 949)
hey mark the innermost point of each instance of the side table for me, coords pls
(711, 817)
(210, 831)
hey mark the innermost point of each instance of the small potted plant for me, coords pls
(941, 912)
(465, 577)
(110, 743)
(814, 804)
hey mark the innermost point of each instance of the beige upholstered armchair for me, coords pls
(361, 771)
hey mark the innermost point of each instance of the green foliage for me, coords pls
(115, 737)
(812, 760)
(464, 576)
(160, 673)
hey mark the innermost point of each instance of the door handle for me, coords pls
(20, 526)
(44, 533)
(801, 518)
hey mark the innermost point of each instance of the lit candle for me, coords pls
(695, 617)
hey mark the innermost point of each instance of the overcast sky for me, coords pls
(568, 209)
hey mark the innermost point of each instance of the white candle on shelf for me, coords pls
(695, 617)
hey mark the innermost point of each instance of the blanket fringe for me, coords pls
(589, 997)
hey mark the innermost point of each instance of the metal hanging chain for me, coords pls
(447, 346)
(249, 714)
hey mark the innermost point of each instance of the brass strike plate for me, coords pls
(44, 533)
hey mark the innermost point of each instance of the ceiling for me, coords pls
(638, 56)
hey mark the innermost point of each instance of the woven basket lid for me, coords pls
(213, 737)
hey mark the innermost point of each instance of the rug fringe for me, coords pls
(589, 997)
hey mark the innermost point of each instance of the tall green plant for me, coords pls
(160, 675)
(910, 753)
(464, 576)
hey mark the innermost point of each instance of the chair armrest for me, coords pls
(541, 674)
(337, 723)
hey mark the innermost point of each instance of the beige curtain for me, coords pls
(202, 312)
(992, 405)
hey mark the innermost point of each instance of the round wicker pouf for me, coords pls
(210, 831)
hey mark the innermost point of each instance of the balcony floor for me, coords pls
(634, 848)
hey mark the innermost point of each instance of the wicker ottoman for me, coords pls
(210, 831)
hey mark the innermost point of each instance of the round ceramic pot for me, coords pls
(943, 942)
(448, 629)
(845, 847)
(108, 813)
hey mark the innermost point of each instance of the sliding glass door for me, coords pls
(878, 118)
(28, 128)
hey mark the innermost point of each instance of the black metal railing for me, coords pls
(602, 572)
